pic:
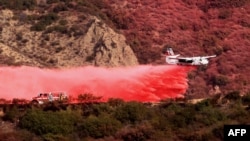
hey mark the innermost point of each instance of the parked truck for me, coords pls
(50, 97)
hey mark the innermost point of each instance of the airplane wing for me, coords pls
(200, 57)
(212, 56)
(173, 56)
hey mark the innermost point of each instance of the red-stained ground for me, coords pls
(139, 83)
(192, 28)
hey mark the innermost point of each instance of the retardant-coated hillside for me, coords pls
(192, 28)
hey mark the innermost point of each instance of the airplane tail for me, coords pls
(171, 58)
(169, 52)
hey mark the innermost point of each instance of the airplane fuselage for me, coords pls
(173, 59)
(195, 61)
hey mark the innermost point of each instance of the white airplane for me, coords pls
(173, 59)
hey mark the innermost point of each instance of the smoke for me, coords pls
(139, 83)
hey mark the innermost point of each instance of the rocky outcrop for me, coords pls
(106, 47)
(81, 40)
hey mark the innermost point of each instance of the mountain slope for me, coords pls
(192, 28)
(68, 33)
(62, 39)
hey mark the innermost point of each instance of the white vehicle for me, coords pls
(50, 97)
(173, 59)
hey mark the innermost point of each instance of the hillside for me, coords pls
(192, 28)
(56, 35)
(114, 33)
(70, 33)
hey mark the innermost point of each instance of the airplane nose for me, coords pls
(205, 62)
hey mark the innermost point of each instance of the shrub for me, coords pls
(38, 27)
(90, 58)
(140, 132)
(44, 122)
(160, 122)
(224, 13)
(49, 18)
(17, 135)
(119, 19)
(19, 36)
(59, 49)
(246, 99)
(179, 121)
(52, 61)
(11, 114)
(97, 109)
(210, 116)
(63, 22)
(244, 22)
(18, 4)
(221, 34)
(238, 112)
(1, 28)
(115, 101)
(53, 137)
(226, 3)
(219, 80)
(60, 7)
(183, 118)
(99, 3)
(234, 95)
(77, 31)
(44, 21)
(88, 97)
(52, 1)
(131, 112)
(210, 41)
(203, 104)
(57, 28)
(99, 127)
(183, 26)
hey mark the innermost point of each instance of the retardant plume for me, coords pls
(139, 83)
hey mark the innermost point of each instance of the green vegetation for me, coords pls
(11, 114)
(99, 127)
(18, 4)
(44, 21)
(58, 28)
(129, 120)
(246, 99)
(44, 122)
(131, 112)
